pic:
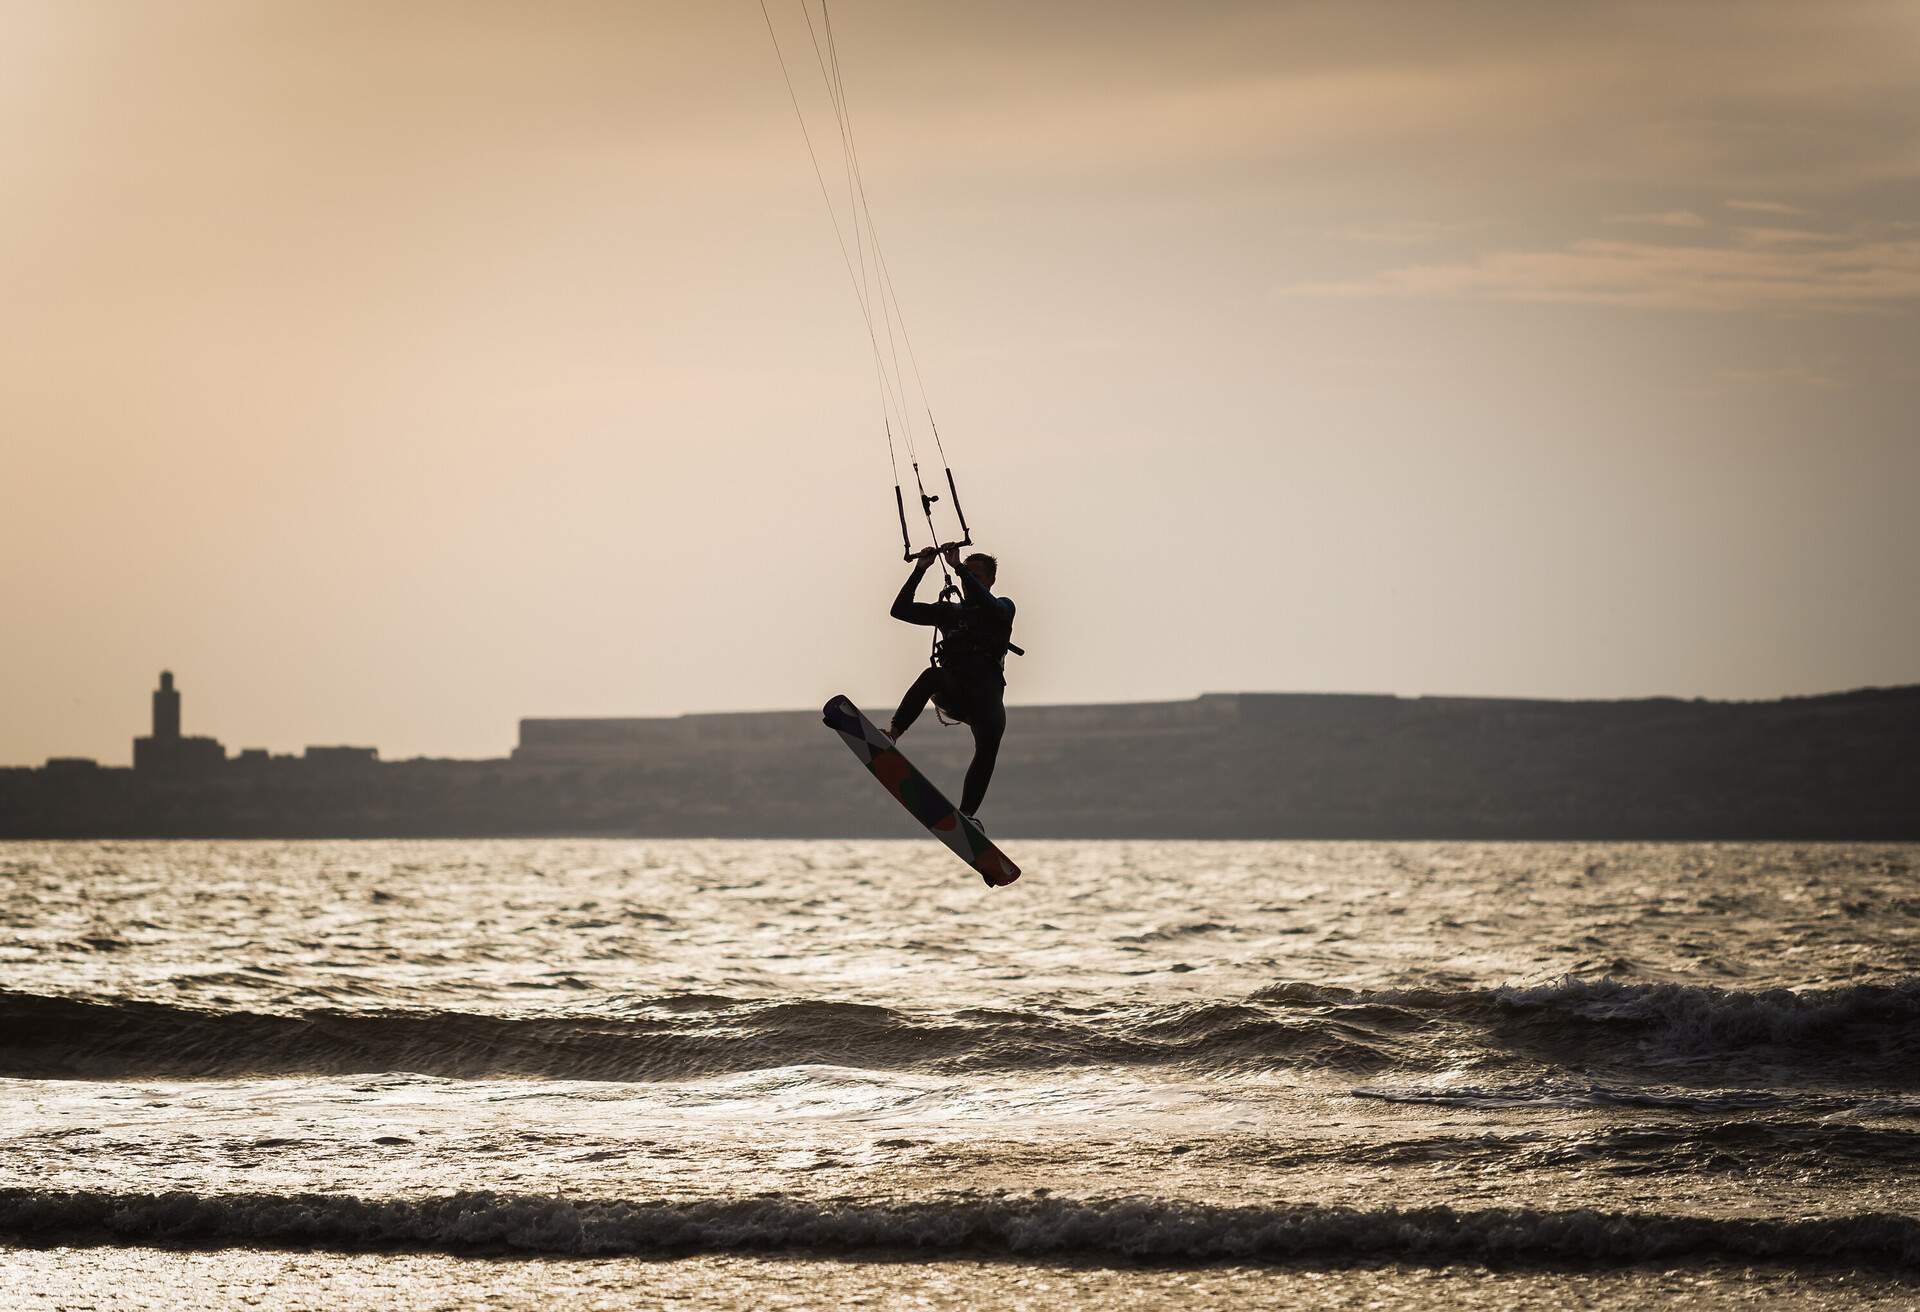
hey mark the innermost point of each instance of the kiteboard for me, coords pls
(912, 790)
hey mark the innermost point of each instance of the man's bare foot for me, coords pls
(893, 734)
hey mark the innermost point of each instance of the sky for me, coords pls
(390, 372)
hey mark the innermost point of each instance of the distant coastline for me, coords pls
(1237, 766)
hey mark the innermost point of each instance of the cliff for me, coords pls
(1843, 766)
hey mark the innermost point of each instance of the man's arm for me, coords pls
(905, 608)
(970, 587)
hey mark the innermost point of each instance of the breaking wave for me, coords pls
(1117, 1231)
(1860, 1032)
(1845, 1037)
(49, 1037)
(1695, 1020)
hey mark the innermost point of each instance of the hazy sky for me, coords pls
(392, 371)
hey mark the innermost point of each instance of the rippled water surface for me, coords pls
(1298, 1060)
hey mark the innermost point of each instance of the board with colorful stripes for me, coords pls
(917, 794)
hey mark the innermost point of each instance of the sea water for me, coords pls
(609, 1073)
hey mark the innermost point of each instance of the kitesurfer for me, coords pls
(967, 678)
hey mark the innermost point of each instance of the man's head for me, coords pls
(983, 567)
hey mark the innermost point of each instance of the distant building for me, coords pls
(341, 755)
(71, 764)
(166, 751)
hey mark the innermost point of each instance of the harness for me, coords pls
(973, 645)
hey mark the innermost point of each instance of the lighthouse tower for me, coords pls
(166, 710)
(166, 752)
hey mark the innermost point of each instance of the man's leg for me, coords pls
(989, 723)
(914, 702)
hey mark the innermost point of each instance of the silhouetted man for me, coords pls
(968, 681)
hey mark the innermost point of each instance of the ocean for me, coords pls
(527, 1074)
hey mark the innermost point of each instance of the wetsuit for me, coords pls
(970, 682)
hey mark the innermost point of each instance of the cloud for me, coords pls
(1766, 207)
(1788, 237)
(1838, 274)
(1405, 232)
(1667, 219)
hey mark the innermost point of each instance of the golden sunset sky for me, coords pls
(393, 370)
